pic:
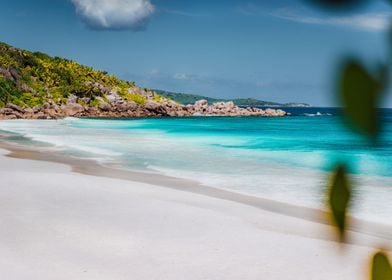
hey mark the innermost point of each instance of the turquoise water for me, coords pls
(286, 159)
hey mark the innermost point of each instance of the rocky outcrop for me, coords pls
(202, 108)
(115, 106)
(65, 88)
(72, 109)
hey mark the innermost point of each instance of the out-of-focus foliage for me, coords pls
(339, 199)
(380, 267)
(360, 94)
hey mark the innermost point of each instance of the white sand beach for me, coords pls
(59, 224)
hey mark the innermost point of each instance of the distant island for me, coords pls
(34, 85)
(185, 98)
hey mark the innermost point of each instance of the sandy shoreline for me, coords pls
(65, 218)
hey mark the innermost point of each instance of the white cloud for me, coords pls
(369, 21)
(115, 14)
(154, 72)
(181, 76)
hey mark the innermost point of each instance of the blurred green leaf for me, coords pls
(360, 94)
(381, 267)
(339, 198)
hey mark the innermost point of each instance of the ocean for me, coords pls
(286, 159)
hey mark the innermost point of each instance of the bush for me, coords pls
(8, 90)
(58, 77)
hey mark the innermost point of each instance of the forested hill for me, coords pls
(185, 98)
(35, 85)
(32, 78)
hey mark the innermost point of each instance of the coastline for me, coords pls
(77, 220)
(120, 107)
(93, 168)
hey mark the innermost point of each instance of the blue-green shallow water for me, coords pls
(279, 158)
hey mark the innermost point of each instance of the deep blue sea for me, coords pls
(286, 159)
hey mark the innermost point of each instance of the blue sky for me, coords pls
(281, 50)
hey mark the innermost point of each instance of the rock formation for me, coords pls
(115, 106)
(38, 86)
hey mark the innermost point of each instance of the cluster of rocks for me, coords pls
(111, 104)
(202, 108)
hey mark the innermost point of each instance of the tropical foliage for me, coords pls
(32, 78)
(360, 92)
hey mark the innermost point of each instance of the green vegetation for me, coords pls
(360, 91)
(381, 267)
(8, 90)
(138, 99)
(30, 79)
(184, 98)
(339, 197)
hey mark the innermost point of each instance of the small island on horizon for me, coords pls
(186, 98)
(34, 85)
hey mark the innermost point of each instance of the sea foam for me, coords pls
(285, 159)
